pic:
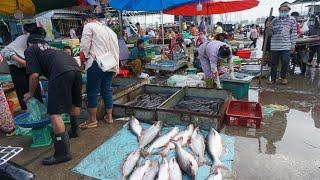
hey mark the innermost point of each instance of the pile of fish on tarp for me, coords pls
(184, 162)
(149, 100)
(204, 105)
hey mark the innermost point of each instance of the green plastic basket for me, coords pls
(239, 90)
(41, 137)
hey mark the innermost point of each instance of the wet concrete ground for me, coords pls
(287, 146)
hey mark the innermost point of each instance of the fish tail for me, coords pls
(164, 152)
(145, 153)
(218, 165)
(202, 161)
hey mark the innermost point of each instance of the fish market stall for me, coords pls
(119, 162)
(202, 107)
(254, 70)
(142, 102)
(166, 65)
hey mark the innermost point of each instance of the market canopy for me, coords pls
(147, 5)
(35, 6)
(212, 7)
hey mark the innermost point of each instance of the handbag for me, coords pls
(106, 61)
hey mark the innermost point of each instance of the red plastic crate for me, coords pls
(244, 54)
(244, 113)
(123, 73)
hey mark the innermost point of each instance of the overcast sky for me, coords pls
(263, 9)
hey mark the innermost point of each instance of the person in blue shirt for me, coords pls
(138, 57)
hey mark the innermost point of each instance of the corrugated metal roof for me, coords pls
(61, 12)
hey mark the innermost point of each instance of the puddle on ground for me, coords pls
(287, 146)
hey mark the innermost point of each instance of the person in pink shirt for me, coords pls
(253, 36)
(97, 40)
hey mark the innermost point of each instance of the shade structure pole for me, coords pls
(121, 24)
(162, 29)
(264, 48)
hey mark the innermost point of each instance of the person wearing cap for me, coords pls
(64, 91)
(283, 31)
(211, 53)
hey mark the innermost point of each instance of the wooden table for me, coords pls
(308, 41)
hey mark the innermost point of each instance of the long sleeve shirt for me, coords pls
(16, 47)
(283, 34)
(98, 39)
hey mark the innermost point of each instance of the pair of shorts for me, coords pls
(63, 92)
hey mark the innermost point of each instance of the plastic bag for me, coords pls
(37, 110)
(305, 27)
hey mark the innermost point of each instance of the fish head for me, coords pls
(213, 131)
(159, 124)
(193, 167)
(164, 161)
(175, 129)
(154, 164)
(195, 132)
(147, 163)
(190, 129)
(177, 143)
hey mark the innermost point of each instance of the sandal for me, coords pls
(87, 125)
(106, 120)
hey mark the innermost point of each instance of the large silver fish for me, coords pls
(217, 175)
(198, 145)
(164, 170)
(186, 161)
(150, 134)
(163, 140)
(139, 172)
(215, 149)
(152, 171)
(174, 170)
(129, 163)
(135, 126)
(183, 136)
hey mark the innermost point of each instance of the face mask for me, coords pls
(283, 14)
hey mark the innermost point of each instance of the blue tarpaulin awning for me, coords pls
(147, 5)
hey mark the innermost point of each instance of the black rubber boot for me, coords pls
(74, 129)
(61, 150)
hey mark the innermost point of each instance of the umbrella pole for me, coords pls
(265, 46)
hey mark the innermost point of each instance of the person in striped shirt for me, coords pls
(283, 31)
